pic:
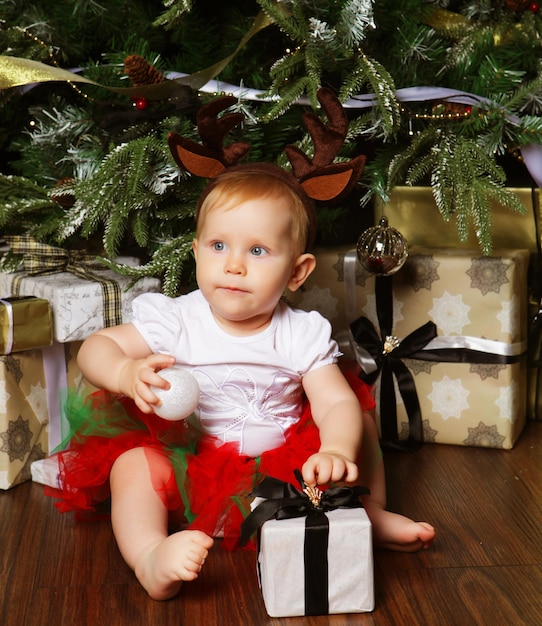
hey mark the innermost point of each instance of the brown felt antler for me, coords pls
(312, 179)
(211, 157)
(320, 177)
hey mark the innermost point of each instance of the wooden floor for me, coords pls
(485, 567)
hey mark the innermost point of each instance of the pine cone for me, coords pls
(65, 199)
(141, 72)
(517, 5)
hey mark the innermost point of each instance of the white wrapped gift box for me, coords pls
(281, 564)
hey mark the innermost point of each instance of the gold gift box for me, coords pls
(496, 395)
(23, 416)
(29, 426)
(324, 289)
(25, 324)
(472, 297)
(414, 213)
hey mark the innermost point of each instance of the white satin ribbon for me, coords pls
(531, 153)
(458, 342)
(56, 381)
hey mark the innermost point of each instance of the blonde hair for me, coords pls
(232, 188)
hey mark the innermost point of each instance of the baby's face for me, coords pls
(244, 260)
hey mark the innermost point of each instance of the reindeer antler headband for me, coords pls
(316, 178)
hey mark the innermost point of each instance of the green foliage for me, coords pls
(325, 42)
(25, 206)
(172, 261)
(120, 190)
(124, 194)
(464, 178)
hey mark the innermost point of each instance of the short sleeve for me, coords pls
(157, 318)
(311, 340)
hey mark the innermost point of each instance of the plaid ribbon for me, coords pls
(42, 259)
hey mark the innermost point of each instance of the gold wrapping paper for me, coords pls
(414, 213)
(26, 422)
(25, 324)
(324, 290)
(412, 210)
(23, 416)
(465, 295)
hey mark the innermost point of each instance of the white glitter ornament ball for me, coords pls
(180, 400)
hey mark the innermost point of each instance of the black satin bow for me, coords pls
(284, 501)
(390, 364)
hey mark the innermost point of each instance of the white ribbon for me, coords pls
(459, 342)
(531, 153)
(56, 382)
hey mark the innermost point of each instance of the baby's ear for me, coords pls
(303, 268)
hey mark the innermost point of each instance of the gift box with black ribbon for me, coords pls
(84, 296)
(444, 341)
(413, 211)
(315, 554)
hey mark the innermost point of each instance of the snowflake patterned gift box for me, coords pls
(33, 387)
(469, 379)
(23, 416)
(324, 289)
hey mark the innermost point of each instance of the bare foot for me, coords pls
(164, 565)
(392, 531)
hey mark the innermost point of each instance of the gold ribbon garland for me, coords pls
(41, 259)
(17, 72)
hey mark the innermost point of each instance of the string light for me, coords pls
(438, 116)
(52, 59)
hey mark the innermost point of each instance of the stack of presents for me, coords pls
(462, 369)
(47, 308)
(447, 342)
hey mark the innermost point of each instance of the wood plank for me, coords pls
(485, 567)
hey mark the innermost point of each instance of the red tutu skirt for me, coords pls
(209, 483)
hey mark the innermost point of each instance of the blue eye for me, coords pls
(258, 251)
(218, 246)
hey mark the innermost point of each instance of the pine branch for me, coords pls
(26, 206)
(370, 72)
(169, 262)
(176, 9)
(123, 193)
(465, 180)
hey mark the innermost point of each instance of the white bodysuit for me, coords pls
(251, 389)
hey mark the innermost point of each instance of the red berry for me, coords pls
(141, 103)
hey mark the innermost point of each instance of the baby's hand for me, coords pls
(138, 375)
(324, 467)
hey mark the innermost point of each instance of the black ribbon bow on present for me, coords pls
(388, 354)
(284, 501)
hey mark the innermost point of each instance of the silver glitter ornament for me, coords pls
(180, 400)
(382, 249)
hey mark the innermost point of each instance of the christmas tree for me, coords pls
(440, 93)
